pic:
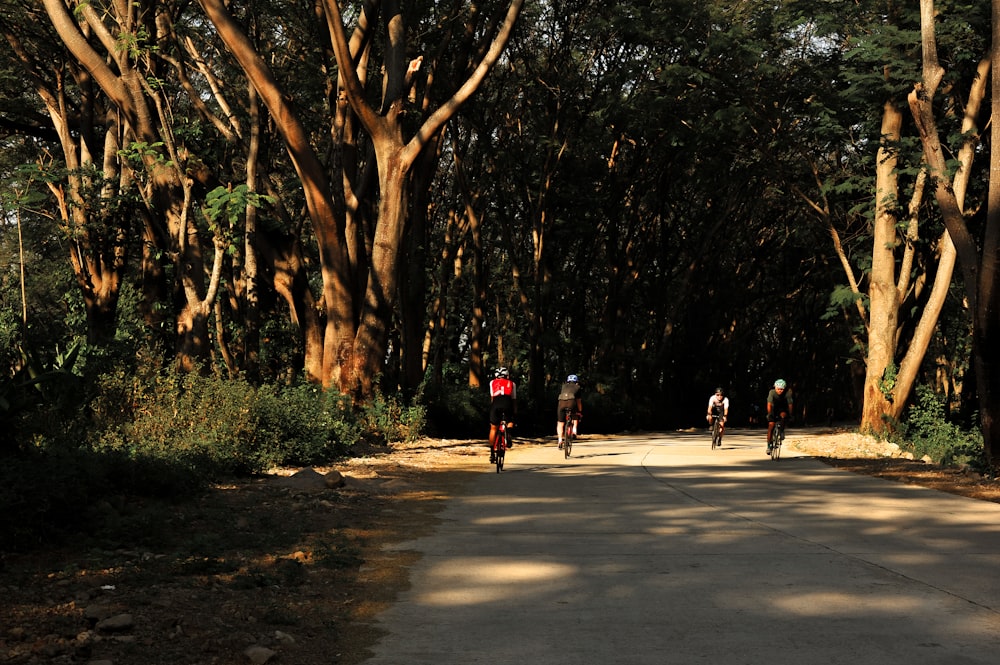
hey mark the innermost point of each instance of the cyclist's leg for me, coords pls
(495, 416)
(561, 432)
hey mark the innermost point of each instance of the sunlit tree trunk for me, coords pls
(979, 266)
(883, 296)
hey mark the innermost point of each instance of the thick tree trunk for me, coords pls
(382, 288)
(987, 326)
(338, 298)
(980, 270)
(883, 296)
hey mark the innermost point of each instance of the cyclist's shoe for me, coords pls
(493, 457)
(560, 445)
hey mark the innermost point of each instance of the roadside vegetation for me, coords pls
(929, 431)
(143, 430)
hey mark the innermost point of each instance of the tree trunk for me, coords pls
(987, 326)
(883, 296)
(980, 271)
(166, 194)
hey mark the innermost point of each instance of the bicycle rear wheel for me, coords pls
(501, 453)
(567, 433)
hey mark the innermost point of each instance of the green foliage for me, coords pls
(456, 410)
(390, 419)
(887, 384)
(230, 204)
(216, 427)
(42, 390)
(143, 430)
(927, 431)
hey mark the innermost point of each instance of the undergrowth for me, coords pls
(927, 431)
(141, 432)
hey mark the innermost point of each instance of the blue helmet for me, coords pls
(780, 383)
(572, 378)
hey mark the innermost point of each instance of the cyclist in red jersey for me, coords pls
(503, 396)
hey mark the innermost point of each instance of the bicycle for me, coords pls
(502, 442)
(716, 432)
(569, 431)
(777, 436)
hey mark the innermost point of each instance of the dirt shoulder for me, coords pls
(290, 568)
(869, 456)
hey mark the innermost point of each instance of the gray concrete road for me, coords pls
(656, 549)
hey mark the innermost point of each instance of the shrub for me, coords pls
(303, 424)
(388, 419)
(927, 431)
(151, 431)
(218, 427)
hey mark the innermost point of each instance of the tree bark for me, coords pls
(988, 314)
(980, 271)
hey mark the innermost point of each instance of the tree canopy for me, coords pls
(389, 197)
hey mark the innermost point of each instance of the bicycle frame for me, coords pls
(501, 442)
(716, 430)
(569, 427)
(777, 437)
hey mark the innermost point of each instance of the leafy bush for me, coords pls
(927, 431)
(303, 424)
(218, 427)
(150, 431)
(389, 419)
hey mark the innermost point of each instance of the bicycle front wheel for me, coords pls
(716, 434)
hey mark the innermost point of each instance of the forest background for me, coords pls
(242, 234)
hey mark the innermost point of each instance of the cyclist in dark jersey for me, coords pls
(569, 398)
(779, 406)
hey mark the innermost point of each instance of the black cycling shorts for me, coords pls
(502, 404)
(563, 405)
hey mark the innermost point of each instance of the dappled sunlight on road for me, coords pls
(831, 604)
(656, 549)
(481, 580)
